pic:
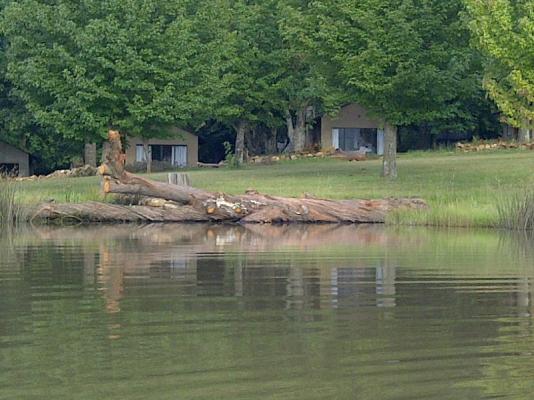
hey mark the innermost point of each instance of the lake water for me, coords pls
(265, 312)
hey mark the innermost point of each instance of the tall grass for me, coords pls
(10, 210)
(517, 211)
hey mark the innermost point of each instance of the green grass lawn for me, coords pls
(463, 189)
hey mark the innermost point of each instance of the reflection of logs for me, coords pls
(201, 205)
(210, 237)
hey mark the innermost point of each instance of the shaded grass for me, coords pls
(462, 189)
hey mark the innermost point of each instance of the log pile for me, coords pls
(77, 172)
(340, 154)
(188, 204)
(492, 145)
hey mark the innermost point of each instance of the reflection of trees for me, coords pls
(174, 252)
(509, 374)
(243, 312)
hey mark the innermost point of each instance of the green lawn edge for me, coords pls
(462, 189)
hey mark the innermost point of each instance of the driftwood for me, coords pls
(188, 204)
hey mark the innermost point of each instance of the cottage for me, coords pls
(178, 148)
(351, 129)
(14, 161)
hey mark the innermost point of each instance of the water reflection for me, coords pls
(236, 261)
(197, 311)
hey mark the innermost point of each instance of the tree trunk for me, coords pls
(255, 140)
(241, 129)
(105, 150)
(270, 143)
(389, 163)
(300, 129)
(148, 156)
(523, 135)
(296, 130)
(89, 154)
(290, 132)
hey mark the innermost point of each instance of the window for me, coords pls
(179, 156)
(172, 154)
(9, 169)
(355, 139)
(140, 153)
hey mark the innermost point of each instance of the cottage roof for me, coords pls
(15, 147)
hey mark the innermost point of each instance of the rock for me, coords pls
(86, 170)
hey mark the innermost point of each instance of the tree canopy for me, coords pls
(504, 31)
(82, 67)
(72, 69)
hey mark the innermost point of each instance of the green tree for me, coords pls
(300, 82)
(133, 65)
(406, 61)
(250, 95)
(19, 128)
(504, 31)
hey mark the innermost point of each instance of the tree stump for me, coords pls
(178, 178)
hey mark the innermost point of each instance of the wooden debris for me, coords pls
(492, 145)
(191, 204)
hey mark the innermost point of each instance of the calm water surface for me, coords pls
(299, 312)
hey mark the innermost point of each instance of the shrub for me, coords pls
(517, 211)
(10, 210)
(230, 158)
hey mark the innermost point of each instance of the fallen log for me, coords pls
(105, 212)
(200, 205)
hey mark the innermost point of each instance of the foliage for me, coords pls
(231, 160)
(133, 65)
(504, 31)
(306, 78)
(407, 61)
(251, 70)
(71, 70)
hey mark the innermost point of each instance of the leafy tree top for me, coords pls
(407, 61)
(504, 31)
(84, 66)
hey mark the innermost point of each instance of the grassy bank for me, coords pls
(463, 189)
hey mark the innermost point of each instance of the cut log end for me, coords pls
(114, 135)
(106, 185)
